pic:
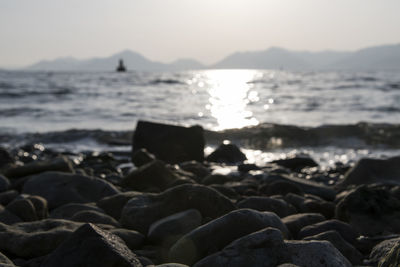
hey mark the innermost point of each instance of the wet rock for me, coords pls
(133, 239)
(316, 254)
(168, 230)
(368, 171)
(226, 191)
(311, 204)
(215, 235)
(227, 153)
(4, 183)
(345, 230)
(67, 211)
(170, 143)
(372, 209)
(152, 175)
(280, 188)
(278, 206)
(23, 208)
(382, 249)
(62, 188)
(142, 210)
(348, 250)
(296, 163)
(8, 196)
(92, 246)
(5, 158)
(392, 258)
(34, 239)
(114, 204)
(248, 167)
(61, 164)
(5, 262)
(172, 265)
(262, 248)
(198, 169)
(92, 216)
(216, 179)
(298, 221)
(7, 217)
(142, 157)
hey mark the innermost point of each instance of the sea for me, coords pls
(353, 114)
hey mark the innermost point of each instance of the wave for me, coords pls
(165, 81)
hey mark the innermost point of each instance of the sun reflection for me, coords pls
(230, 93)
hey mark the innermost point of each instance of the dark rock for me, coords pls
(35, 262)
(215, 235)
(133, 239)
(262, 248)
(170, 143)
(91, 246)
(372, 209)
(216, 179)
(248, 167)
(280, 188)
(92, 216)
(142, 210)
(5, 157)
(310, 204)
(298, 221)
(227, 153)
(172, 265)
(7, 217)
(348, 250)
(5, 262)
(23, 208)
(61, 164)
(316, 254)
(368, 171)
(198, 169)
(114, 204)
(168, 230)
(226, 191)
(278, 206)
(288, 265)
(296, 163)
(345, 230)
(67, 211)
(4, 183)
(392, 258)
(8, 196)
(142, 157)
(382, 249)
(34, 239)
(153, 174)
(41, 207)
(61, 188)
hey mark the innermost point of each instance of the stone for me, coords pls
(91, 246)
(227, 153)
(298, 221)
(372, 209)
(262, 248)
(170, 143)
(133, 239)
(61, 188)
(67, 211)
(142, 157)
(172, 265)
(60, 164)
(7, 217)
(143, 210)
(347, 250)
(114, 204)
(96, 217)
(23, 208)
(280, 188)
(4, 183)
(41, 207)
(316, 254)
(216, 234)
(8, 196)
(278, 206)
(296, 163)
(392, 258)
(5, 262)
(349, 233)
(368, 171)
(151, 175)
(216, 179)
(382, 249)
(168, 230)
(197, 168)
(226, 191)
(34, 239)
(310, 204)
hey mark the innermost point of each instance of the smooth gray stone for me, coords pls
(296, 222)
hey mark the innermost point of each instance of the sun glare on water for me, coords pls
(230, 93)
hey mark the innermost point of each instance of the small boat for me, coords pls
(121, 67)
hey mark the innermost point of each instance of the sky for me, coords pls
(205, 30)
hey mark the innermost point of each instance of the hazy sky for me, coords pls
(207, 30)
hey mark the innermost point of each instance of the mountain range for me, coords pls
(373, 58)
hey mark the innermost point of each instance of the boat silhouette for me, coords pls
(121, 67)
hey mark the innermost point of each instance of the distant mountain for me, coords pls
(373, 58)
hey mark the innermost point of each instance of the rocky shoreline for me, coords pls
(94, 209)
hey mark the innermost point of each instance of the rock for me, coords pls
(310, 204)
(298, 221)
(7, 217)
(171, 265)
(247, 167)
(142, 210)
(226, 191)
(262, 248)
(372, 209)
(392, 258)
(67, 211)
(216, 179)
(168, 230)
(91, 246)
(41, 207)
(133, 239)
(197, 168)
(296, 163)
(61, 188)
(345, 230)
(114, 204)
(5, 262)
(280, 188)
(33, 239)
(216, 234)
(278, 206)
(350, 252)
(8, 196)
(227, 153)
(368, 171)
(142, 157)
(170, 143)
(4, 183)
(61, 164)
(23, 208)
(152, 175)
(382, 249)
(316, 254)
(92, 216)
